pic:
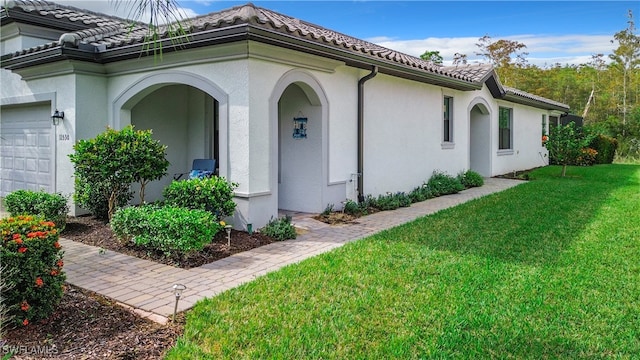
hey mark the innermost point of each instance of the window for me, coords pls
(448, 120)
(504, 128)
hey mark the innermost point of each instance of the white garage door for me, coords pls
(26, 149)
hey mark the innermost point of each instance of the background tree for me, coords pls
(433, 56)
(459, 59)
(500, 53)
(626, 60)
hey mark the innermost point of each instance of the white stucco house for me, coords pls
(298, 115)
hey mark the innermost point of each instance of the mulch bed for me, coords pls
(89, 326)
(91, 231)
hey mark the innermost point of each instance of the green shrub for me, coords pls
(369, 202)
(114, 160)
(606, 147)
(213, 194)
(352, 208)
(6, 320)
(30, 252)
(470, 179)
(91, 195)
(421, 193)
(280, 229)
(443, 184)
(403, 199)
(53, 207)
(327, 210)
(392, 201)
(167, 228)
(587, 157)
(387, 202)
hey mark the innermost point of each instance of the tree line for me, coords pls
(606, 94)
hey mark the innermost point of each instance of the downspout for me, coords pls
(361, 82)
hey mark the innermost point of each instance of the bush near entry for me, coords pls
(53, 207)
(31, 254)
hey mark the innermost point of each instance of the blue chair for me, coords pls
(201, 168)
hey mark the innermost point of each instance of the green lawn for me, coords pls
(548, 269)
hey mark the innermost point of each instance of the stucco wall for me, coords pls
(403, 135)
(528, 151)
(403, 120)
(60, 91)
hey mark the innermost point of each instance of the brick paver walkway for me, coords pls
(146, 286)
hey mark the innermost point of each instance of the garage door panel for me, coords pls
(44, 139)
(27, 148)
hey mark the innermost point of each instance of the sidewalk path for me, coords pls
(146, 287)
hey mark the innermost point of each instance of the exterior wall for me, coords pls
(528, 151)
(404, 132)
(403, 120)
(14, 37)
(60, 91)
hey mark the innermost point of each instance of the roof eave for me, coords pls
(239, 33)
(535, 103)
(13, 62)
(350, 58)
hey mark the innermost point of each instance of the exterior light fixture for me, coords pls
(177, 291)
(227, 228)
(57, 116)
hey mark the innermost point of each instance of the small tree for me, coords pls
(565, 144)
(148, 158)
(115, 159)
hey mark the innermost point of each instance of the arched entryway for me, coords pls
(480, 137)
(184, 114)
(301, 145)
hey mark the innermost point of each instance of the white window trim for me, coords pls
(451, 143)
(508, 151)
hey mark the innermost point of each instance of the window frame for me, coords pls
(447, 122)
(501, 140)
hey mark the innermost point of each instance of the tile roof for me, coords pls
(535, 98)
(475, 72)
(108, 33)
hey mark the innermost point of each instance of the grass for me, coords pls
(548, 269)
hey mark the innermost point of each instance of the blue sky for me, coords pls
(565, 32)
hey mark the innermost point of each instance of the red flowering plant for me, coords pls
(32, 255)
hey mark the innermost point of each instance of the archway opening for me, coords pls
(183, 118)
(300, 173)
(480, 140)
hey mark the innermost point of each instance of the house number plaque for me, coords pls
(300, 128)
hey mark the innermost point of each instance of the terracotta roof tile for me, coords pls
(110, 32)
(524, 94)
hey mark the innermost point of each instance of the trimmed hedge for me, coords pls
(53, 207)
(213, 194)
(168, 228)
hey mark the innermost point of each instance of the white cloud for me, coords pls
(119, 8)
(542, 49)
